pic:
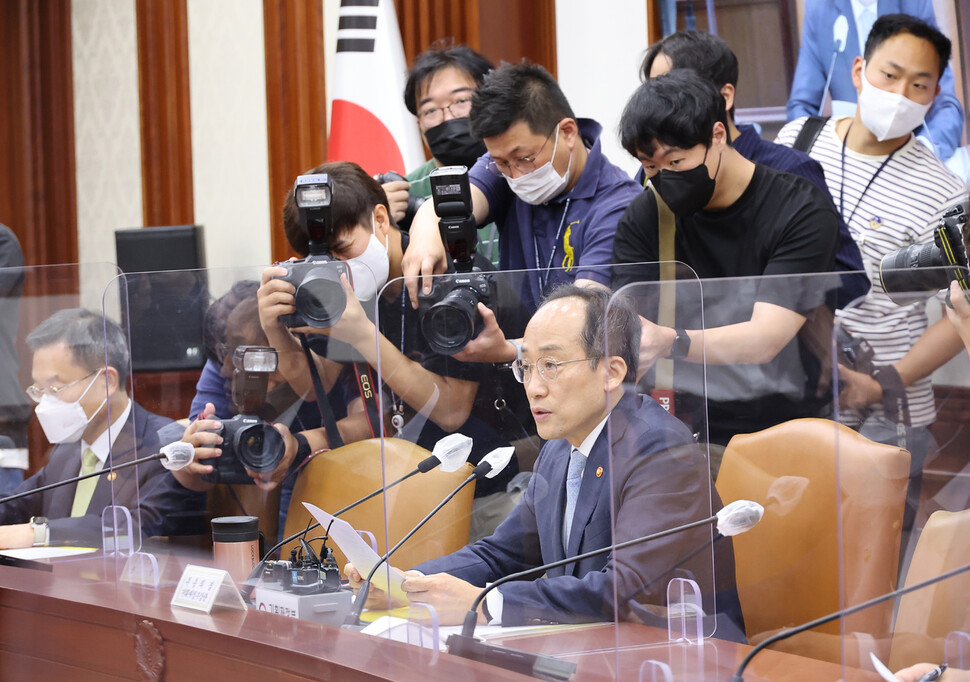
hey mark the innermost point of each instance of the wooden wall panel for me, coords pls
(510, 30)
(296, 101)
(422, 22)
(503, 30)
(38, 194)
(166, 124)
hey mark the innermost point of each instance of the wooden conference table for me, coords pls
(71, 624)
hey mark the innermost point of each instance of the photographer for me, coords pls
(546, 184)
(421, 382)
(438, 92)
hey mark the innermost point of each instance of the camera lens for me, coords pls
(259, 447)
(908, 273)
(450, 324)
(320, 298)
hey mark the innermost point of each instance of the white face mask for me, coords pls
(543, 183)
(369, 270)
(64, 422)
(888, 115)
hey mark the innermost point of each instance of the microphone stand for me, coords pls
(354, 617)
(785, 634)
(471, 618)
(76, 479)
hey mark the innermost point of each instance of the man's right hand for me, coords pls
(425, 255)
(274, 297)
(397, 194)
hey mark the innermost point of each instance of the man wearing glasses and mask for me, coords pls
(614, 459)
(546, 184)
(85, 412)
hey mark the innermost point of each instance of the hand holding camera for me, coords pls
(449, 311)
(248, 447)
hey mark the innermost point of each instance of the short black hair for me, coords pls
(889, 25)
(612, 325)
(443, 55)
(89, 336)
(518, 92)
(678, 109)
(216, 315)
(704, 52)
(355, 194)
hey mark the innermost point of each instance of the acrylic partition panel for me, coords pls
(64, 361)
(904, 480)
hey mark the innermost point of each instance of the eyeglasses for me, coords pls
(35, 392)
(548, 368)
(460, 108)
(523, 164)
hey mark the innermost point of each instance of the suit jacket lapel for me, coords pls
(549, 512)
(122, 450)
(595, 490)
(68, 464)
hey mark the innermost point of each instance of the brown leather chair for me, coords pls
(337, 478)
(815, 478)
(927, 616)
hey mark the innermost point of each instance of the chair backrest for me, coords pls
(334, 479)
(808, 473)
(927, 616)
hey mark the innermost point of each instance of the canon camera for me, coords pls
(449, 312)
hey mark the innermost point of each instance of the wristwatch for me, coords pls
(681, 345)
(41, 530)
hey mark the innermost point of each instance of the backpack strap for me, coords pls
(809, 133)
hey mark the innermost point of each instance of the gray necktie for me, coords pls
(574, 478)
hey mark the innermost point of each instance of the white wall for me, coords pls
(107, 136)
(599, 48)
(230, 158)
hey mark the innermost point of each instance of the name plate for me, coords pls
(201, 588)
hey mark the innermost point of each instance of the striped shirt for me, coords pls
(901, 207)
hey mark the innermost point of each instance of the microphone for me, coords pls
(449, 454)
(785, 634)
(174, 456)
(840, 31)
(735, 518)
(490, 466)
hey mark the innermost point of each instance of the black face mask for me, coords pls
(452, 144)
(686, 192)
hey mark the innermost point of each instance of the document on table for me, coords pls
(35, 553)
(358, 552)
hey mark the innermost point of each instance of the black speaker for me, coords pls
(167, 293)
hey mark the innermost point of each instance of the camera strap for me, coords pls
(367, 385)
(323, 404)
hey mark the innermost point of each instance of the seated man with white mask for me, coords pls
(555, 198)
(447, 392)
(84, 410)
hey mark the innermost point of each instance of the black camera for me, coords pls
(449, 312)
(414, 202)
(320, 298)
(917, 268)
(248, 442)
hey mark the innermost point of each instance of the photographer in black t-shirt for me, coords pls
(733, 219)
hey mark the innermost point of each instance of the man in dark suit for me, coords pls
(640, 475)
(84, 410)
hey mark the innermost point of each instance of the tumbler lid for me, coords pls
(235, 529)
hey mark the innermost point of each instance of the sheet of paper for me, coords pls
(35, 553)
(358, 552)
(881, 668)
